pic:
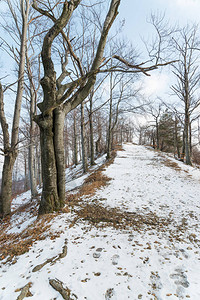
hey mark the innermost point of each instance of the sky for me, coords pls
(136, 14)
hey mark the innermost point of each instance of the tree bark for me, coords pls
(109, 134)
(6, 184)
(59, 119)
(187, 141)
(176, 145)
(92, 162)
(157, 134)
(49, 200)
(38, 165)
(75, 155)
(83, 141)
(99, 130)
(183, 147)
(31, 159)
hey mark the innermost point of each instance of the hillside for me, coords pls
(136, 237)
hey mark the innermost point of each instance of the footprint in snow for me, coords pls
(156, 284)
(130, 237)
(97, 254)
(184, 253)
(115, 259)
(181, 281)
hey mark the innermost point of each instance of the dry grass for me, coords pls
(106, 216)
(171, 164)
(118, 148)
(12, 245)
(100, 217)
(15, 244)
(92, 183)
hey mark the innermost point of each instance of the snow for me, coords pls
(75, 176)
(148, 263)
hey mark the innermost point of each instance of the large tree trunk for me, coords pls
(31, 152)
(38, 165)
(59, 119)
(75, 152)
(49, 201)
(66, 145)
(6, 184)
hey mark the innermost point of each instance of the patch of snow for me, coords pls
(107, 263)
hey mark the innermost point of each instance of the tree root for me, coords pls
(65, 292)
(53, 259)
(25, 291)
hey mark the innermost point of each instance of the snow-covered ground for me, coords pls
(158, 260)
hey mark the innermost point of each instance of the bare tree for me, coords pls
(10, 145)
(83, 140)
(59, 99)
(187, 74)
(155, 110)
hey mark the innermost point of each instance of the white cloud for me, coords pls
(156, 84)
(187, 2)
(187, 10)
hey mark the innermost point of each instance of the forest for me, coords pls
(72, 104)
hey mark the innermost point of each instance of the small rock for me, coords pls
(140, 296)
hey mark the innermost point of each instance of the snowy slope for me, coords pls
(157, 257)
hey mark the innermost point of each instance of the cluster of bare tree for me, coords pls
(182, 113)
(75, 85)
